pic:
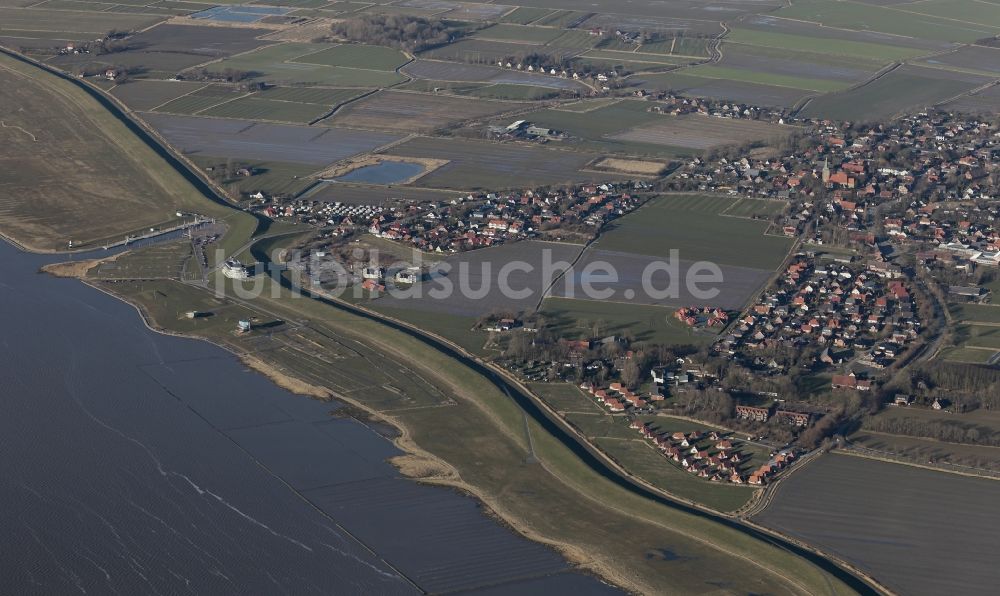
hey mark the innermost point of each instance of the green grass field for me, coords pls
(756, 208)
(979, 313)
(645, 461)
(356, 56)
(523, 15)
(978, 336)
(904, 89)
(766, 78)
(255, 108)
(837, 47)
(507, 32)
(968, 355)
(648, 324)
(277, 64)
(315, 95)
(565, 397)
(692, 224)
(892, 19)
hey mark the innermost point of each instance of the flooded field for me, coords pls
(136, 463)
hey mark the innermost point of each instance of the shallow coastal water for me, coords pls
(136, 462)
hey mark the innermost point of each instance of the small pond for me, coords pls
(386, 172)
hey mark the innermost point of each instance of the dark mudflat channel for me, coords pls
(918, 531)
(134, 462)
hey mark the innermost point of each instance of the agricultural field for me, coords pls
(145, 95)
(978, 336)
(54, 24)
(986, 101)
(893, 19)
(201, 99)
(693, 224)
(704, 132)
(957, 456)
(278, 64)
(415, 112)
(356, 56)
(633, 271)
(361, 194)
(269, 177)
(881, 516)
(969, 355)
(644, 323)
(804, 70)
(978, 313)
(756, 208)
(45, 204)
(907, 88)
(814, 40)
(604, 128)
(566, 397)
(518, 33)
(265, 142)
(470, 280)
(489, 52)
(436, 70)
(976, 59)
(695, 86)
(524, 15)
(479, 165)
(256, 108)
(167, 49)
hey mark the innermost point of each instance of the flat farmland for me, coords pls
(966, 355)
(907, 88)
(645, 461)
(474, 164)
(357, 56)
(703, 132)
(66, 21)
(518, 33)
(972, 58)
(776, 79)
(254, 108)
(146, 95)
(809, 38)
(986, 101)
(565, 397)
(477, 11)
(477, 272)
(524, 15)
(201, 99)
(738, 283)
(360, 194)
(115, 184)
(756, 208)
(435, 70)
(979, 313)
(882, 517)
(277, 64)
(978, 336)
(692, 86)
(270, 177)
(693, 225)
(415, 112)
(857, 16)
(265, 142)
(969, 11)
(646, 324)
(657, 23)
(488, 52)
(920, 451)
(323, 96)
(766, 63)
